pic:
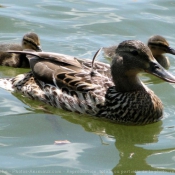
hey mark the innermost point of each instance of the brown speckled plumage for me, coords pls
(133, 107)
(67, 82)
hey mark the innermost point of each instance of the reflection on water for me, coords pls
(135, 144)
(29, 128)
(11, 72)
(130, 141)
(8, 105)
(65, 155)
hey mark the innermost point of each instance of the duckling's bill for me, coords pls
(39, 49)
(171, 50)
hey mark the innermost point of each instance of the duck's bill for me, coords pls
(171, 50)
(157, 70)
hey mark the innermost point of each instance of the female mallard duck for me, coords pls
(85, 87)
(158, 46)
(29, 41)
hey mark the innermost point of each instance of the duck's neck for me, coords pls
(128, 83)
(124, 80)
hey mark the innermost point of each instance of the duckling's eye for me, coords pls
(134, 52)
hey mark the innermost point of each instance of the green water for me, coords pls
(28, 129)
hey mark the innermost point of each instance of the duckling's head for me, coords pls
(159, 45)
(31, 41)
(133, 57)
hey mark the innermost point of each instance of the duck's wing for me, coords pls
(67, 71)
(90, 76)
(51, 56)
(75, 79)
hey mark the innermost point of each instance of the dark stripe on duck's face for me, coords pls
(160, 46)
(37, 48)
(163, 47)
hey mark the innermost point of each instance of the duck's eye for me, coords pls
(134, 52)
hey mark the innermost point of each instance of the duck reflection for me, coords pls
(11, 72)
(129, 140)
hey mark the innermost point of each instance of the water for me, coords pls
(28, 129)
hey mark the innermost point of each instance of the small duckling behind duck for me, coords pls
(158, 46)
(29, 41)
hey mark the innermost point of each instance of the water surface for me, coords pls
(28, 129)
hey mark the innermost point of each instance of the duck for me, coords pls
(111, 92)
(29, 41)
(158, 46)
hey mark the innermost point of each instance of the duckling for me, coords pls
(29, 41)
(112, 92)
(158, 46)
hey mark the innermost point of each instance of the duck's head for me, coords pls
(133, 57)
(31, 41)
(159, 45)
